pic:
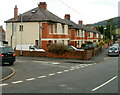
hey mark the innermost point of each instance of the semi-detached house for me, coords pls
(40, 27)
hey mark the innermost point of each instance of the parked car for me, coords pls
(113, 51)
(117, 45)
(74, 48)
(28, 47)
(7, 55)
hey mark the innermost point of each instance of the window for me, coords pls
(63, 42)
(89, 34)
(50, 28)
(36, 42)
(63, 29)
(82, 33)
(21, 28)
(78, 33)
(55, 41)
(97, 35)
(55, 28)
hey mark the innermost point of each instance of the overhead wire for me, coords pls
(69, 7)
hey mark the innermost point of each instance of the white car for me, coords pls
(74, 48)
(113, 51)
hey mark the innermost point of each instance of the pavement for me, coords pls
(8, 72)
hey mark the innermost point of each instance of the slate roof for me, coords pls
(42, 15)
(71, 23)
(37, 15)
(79, 26)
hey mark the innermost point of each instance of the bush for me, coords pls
(89, 42)
(58, 48)
(101, 43)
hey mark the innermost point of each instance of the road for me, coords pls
(54, 77)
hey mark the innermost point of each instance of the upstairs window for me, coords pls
(21, 28)
(82, 33)
(55, 28)
(89, 34)
(63, 29)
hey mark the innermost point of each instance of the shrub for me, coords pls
(58, 48)
(101, 43)
(89, 42)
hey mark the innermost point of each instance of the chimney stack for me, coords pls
(87, 25)
(67, 16)
(80, 22)
(42, 5)
(95, 28)
(15, 13)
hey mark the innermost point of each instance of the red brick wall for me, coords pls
(82, 55)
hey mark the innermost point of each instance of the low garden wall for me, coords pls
(82, 55)
(95, 51)
(30, 53)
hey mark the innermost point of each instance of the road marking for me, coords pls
(89, 64)
(72, 69)
(82, 66)
(16, 82)
(77, 67)
(86, 65)
(66, 70)
(59, 72)
(55, 63)
(104, 83)
(51, 74)
(41, 77)
(30, 79)
(3, 84)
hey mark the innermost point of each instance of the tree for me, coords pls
(109, 28)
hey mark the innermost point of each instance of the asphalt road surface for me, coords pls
(55, 77)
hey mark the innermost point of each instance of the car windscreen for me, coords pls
(113, 48)
(6, 50)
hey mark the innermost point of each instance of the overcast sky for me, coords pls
(90, 11)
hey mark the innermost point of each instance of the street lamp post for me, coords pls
(21, 30)
(40, 35)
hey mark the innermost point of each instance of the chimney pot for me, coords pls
(87, 25)
(95, 28)
(80, 22)
(67, 16)
(42, 5)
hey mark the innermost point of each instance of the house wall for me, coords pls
(55, 33)
(32, 31)
(29, 34)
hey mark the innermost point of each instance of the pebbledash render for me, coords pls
(40, 27)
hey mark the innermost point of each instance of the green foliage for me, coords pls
(107, 41)
(58, 48)
(89, 42)
(101, 43)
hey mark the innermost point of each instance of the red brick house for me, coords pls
(40, 27)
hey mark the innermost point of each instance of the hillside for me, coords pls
(116, 21)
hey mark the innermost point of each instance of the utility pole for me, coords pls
(21, 30)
